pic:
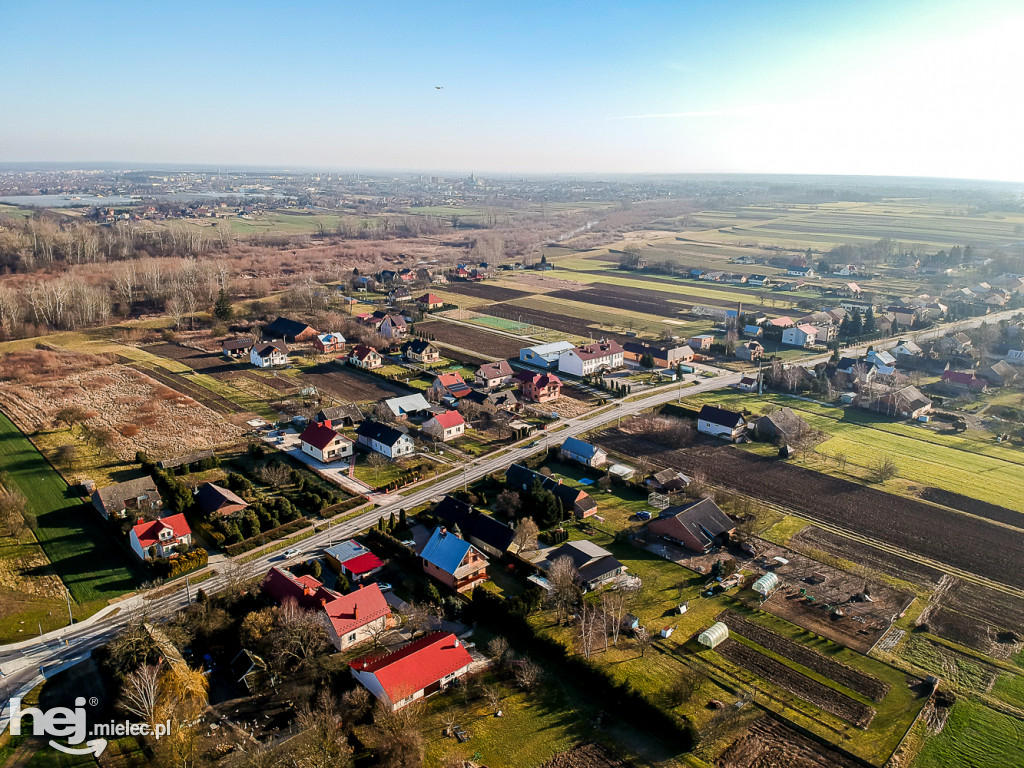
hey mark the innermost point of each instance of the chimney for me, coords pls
(355, 611)
(323, 602)
(444, 531)
(456, 642)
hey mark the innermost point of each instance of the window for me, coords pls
(352, 637)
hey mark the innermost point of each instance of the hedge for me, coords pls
(182, 564)
(267, 536)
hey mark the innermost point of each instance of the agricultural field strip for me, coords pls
(855, 680)
(587, 311)
(797, 683)
(865, 539)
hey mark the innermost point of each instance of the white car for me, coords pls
(289, 553)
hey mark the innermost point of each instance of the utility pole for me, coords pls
(188, 591)
(71, 618)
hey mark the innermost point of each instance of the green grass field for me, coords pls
(970, 463)
(975, 736)
(83, 553)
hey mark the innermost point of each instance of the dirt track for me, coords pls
(925, 529)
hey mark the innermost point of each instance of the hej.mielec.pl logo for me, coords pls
(70, 725)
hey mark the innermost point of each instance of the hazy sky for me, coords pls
(891, 87)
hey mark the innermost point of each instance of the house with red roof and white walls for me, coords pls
(160, 538)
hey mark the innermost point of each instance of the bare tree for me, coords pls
(508, 503)
(565, 586)
(525, 538)
(885, 468)
(303, 633)
(276, 474)
(493, 696)
(140, 694)
(643, 640)
(527, 674)
(322, 742)
(498, 648)
(589, 623)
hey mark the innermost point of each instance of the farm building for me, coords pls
(752, 351)
(539, 387)
(237, 348)
(445, 426)
(766, 584)
(483, 531)
(289, 330)
(713, 635)
(137, 496)
(699, 526)
(667, 480)
(579, 503)
(782, 424)
(595, 565)
(353, 560)
(383, 439)
(719, 422)
(347, 414)
(999, 374)
(490, 375)
(575, 449)
(963, 381)
(269, 354)
(324, 444)
(414, 671)
(408, 405)
(216, 501)
(906, 402)
(329, 343)
(160, 538)
(702, 342)
(453, 561)
(545, 355)
(664, 357)
(420, 351)
(590, 358)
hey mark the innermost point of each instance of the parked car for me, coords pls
(384, 586)
(643, 514)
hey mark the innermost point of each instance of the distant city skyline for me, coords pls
(915, 89)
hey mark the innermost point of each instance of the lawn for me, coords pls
(83, 553)
(952, 462)
(974, 736)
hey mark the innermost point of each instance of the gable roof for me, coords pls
(429, 298)
(703, 520)
(319, 436)
(598, 350)
(416, 346)
(579, 447)
(415, 665)
(538, 380)
(212, 498)
(473, 523)
(281, 584)
(148, 533)
(591, 561)
(446, 550)
(721, 417)
(242, 342)
(785, 421)
(361, 352)
(331, 338)
(382, 433)
(347, 613)
(571, 498)
(114, 497)
(454, 383)
(267, 348)
(285, 328)
(448, 419)
(551, 350)
(339, 412)
(494, 370)
(401, 406)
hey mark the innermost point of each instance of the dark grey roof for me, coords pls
(720, 416)
(382, 433)
(338, 412)
(703, 519)
(285, 327)
(473, 523)
(114, 497)
(572, 499)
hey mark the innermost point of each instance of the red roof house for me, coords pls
(321, 442)
(963, 380)
(415, 670)
(445, 426)
(451, 384)
(539, 387)
(160, 537)
(430, 301)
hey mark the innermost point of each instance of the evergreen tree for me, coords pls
(222, 310)
(391, 522)
(869, 321)
(402, 519)
(856, 323)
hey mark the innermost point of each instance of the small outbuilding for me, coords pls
(766, 584)
(713, 635)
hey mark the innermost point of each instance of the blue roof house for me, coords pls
(453, 561)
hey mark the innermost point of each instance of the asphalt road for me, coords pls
(22, 662)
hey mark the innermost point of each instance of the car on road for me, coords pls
(289, 553)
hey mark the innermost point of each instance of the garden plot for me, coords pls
(859, 682)
(797, 683)
(975, 616)
(771, 744)
(491, 345)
